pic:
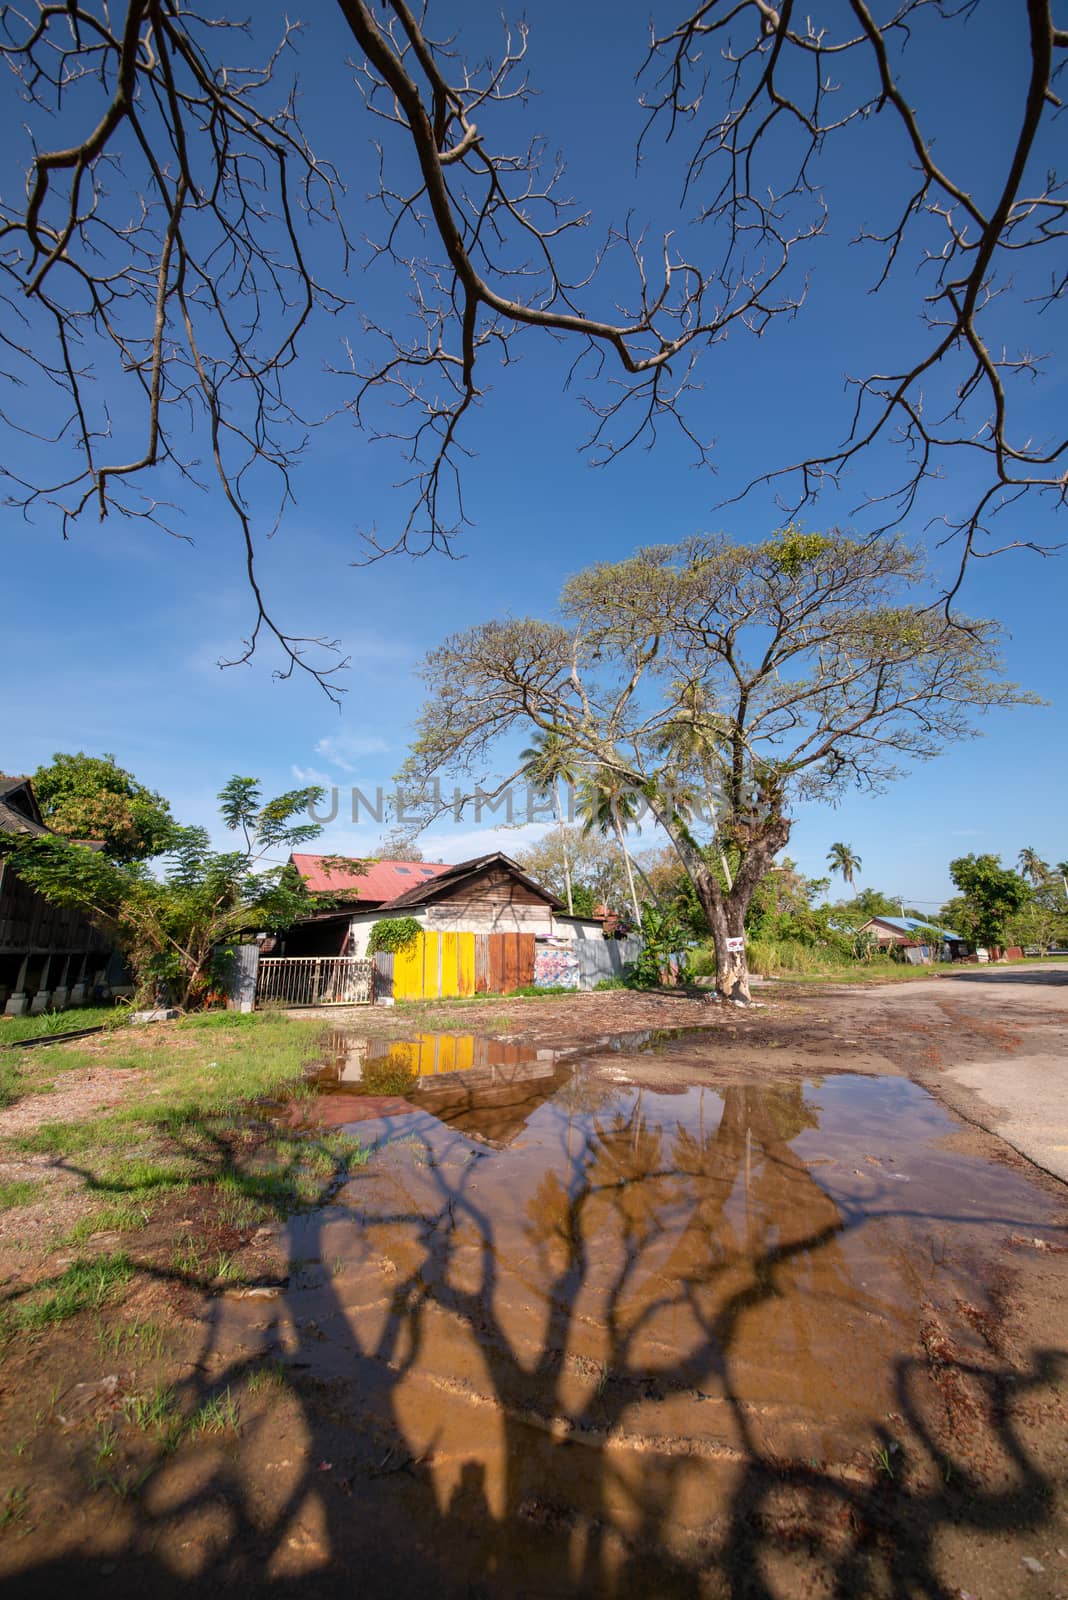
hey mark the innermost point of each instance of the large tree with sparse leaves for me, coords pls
(819, 656)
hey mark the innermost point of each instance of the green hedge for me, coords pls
(393, 933)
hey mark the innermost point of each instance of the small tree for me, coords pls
(398, 845)
(594, 866)
(168, 925)
(92, 797)
(992, 894)
(819, 666)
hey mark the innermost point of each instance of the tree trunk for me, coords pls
(563, 846)
(727, 922)
(630, 874)
(726, 912)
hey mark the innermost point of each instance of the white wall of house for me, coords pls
(444, 918)
(577, 928)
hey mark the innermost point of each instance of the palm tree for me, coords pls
(842, 858)
(548, 762)
(609, 805)
(688, 742)
(1032, 865)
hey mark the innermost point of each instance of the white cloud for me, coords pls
(454, 844)
(344, 749)
(311, 775)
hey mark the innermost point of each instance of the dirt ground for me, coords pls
(775, 1310)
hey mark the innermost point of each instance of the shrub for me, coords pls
(393, 933)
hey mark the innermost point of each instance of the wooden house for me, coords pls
(915, 940)
(487, 894)
(50, 956)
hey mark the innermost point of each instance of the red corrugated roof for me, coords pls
(382, 881)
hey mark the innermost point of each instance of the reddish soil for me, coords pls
(743, 1314)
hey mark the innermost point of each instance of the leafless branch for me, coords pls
(160, 275)
(788, 71)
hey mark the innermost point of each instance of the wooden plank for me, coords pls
(450, 967)
(431, 966)
(408, 970)
(526, 959)
(465, 963)
(496, 963)
(483, 974)
(510, 955)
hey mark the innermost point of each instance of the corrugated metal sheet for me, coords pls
(382, 881)
(910, 925)
(383, 974)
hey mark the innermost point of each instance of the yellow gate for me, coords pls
(435, 966)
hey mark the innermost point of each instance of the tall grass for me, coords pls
(778, 958)
(46, 1022)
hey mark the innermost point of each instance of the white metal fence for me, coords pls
(314, 981)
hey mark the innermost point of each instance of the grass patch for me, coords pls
(13, 1506)
(265, 1379)
(795, 962)
(125, 1216)
(140, 1339)
(155, 1412)
(85, 1285)
(217, 1415)
(19, 1192)
(46, 1022)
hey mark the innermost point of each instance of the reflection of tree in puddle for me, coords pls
(390, 1074)
(551, 1355)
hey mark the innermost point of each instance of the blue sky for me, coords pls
(113, 638)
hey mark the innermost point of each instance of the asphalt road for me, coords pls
(1001, 1054)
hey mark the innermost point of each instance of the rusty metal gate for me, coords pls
(315, 981)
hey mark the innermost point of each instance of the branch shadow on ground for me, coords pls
(568, 1492)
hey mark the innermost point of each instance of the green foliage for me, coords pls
(598, 876)
(92, 797)
(49, 1022)
(665, 939)
(393, 933)
(792, 550)
(844, 859)
(1041, 924)
(746, 677)
(168, 922)
(991, 895)
(869, 903)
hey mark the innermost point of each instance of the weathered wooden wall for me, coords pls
(30, 924)
(447, 965)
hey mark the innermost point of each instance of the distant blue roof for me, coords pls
(910, 924)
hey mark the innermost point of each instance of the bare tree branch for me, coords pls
(178, 237)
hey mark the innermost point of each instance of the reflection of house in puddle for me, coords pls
(486, 1089)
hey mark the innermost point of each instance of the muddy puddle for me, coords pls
(579, 1335)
